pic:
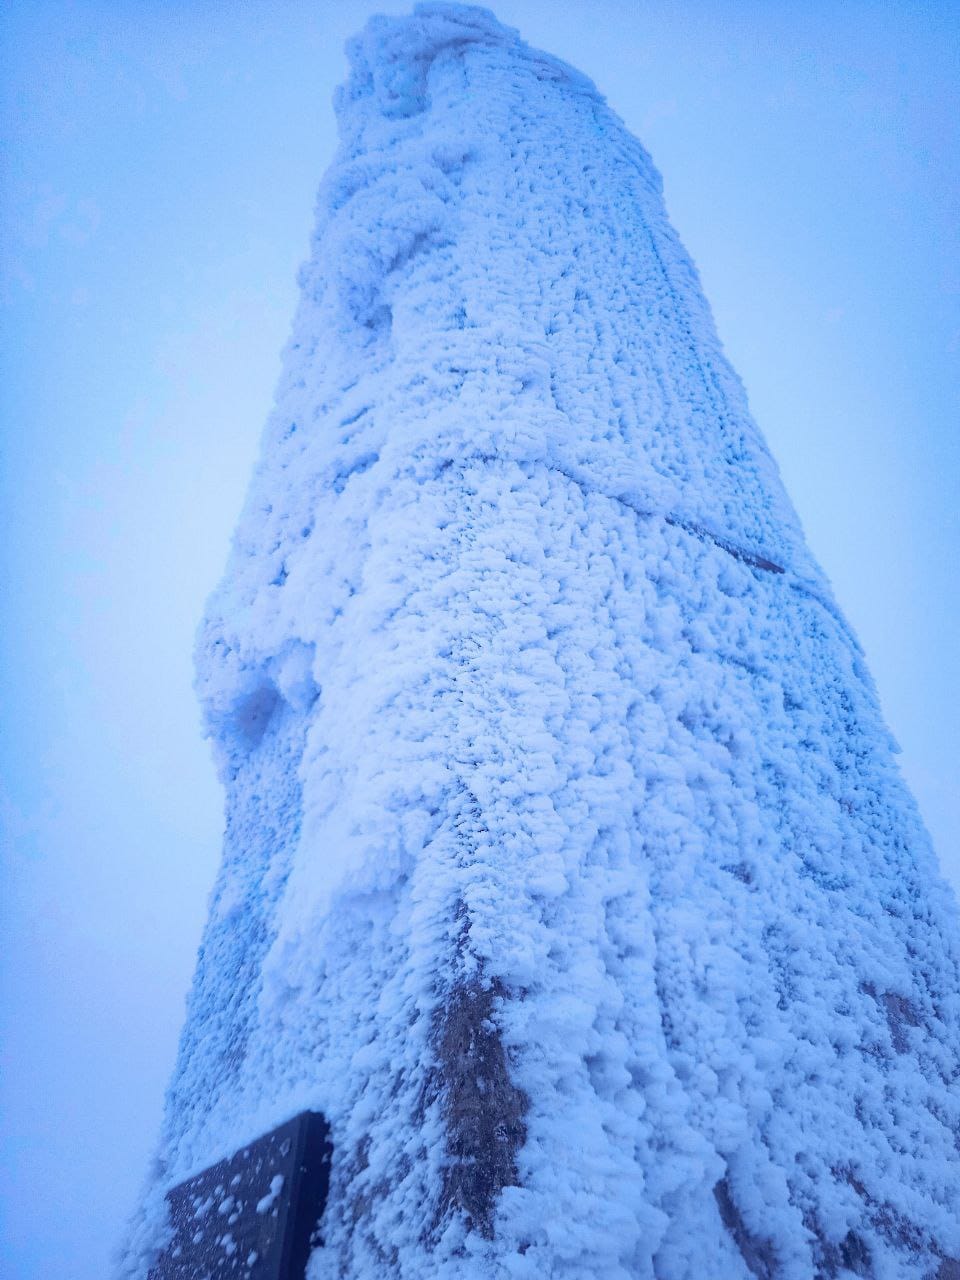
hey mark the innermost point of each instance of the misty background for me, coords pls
(159, 168)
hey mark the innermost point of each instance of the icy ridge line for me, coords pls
(393, 55)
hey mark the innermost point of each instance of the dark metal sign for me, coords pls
(255, 1215)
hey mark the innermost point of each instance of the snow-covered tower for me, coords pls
(568, 871)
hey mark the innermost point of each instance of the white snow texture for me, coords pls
(568, 869)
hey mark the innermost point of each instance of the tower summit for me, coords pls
(567, 868)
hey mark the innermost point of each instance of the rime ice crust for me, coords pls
(567, 866)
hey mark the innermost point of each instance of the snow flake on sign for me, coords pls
(265, 1205)
(567, 868)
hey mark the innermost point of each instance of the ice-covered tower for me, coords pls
(568, 870)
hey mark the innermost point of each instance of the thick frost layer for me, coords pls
(567, 869)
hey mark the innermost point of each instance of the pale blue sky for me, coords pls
(159, 170)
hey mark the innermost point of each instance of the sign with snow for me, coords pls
(253, 1216)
